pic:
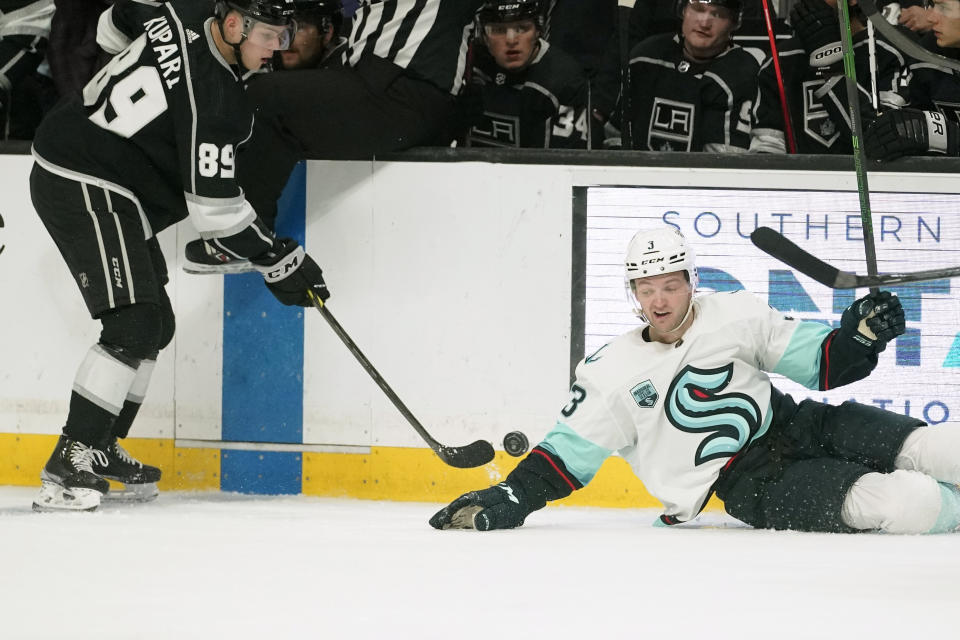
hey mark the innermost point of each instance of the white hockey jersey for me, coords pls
(679, 412)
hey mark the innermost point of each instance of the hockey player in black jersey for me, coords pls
(812, 68)
(931, 126)
(318, 41)
(532, 94)
(152, 140)
(693, 91)
(316, 44)
(404, 64)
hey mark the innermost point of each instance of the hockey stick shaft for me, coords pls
(775, 56)
(624, 8)
(903, 42)
(786, 251)
(473, 455)
(856, 136)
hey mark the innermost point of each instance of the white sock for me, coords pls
(898, 502)
(934, 451)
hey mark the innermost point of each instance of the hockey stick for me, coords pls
(775, 55)
(901, 41)
(475, 454)
(856, 135)
(624, 9)
(774, 244)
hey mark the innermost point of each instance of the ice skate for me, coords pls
(139, 480)
(202, 258)
(68, 481)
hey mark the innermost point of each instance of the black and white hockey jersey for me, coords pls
(544, 105)
(934, 88)
(818, 105)
(679, 105)
(162, 121)
(428, 38)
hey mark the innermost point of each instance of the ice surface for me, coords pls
(220, 566)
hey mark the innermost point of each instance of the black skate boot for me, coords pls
(139, 480)
(68, 481)
(203, 258)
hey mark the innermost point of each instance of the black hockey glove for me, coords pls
(289, 273)
(502, 506)
(817, 26)
(874, 320)
(906, 132)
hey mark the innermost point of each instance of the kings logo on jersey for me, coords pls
(695, 405)
(816, 119)
(496, 130)
(671, 125)
(645, 394)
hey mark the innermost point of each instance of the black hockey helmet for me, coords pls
(321, 13)
(735, 7)
(278, 13)
(510, 11)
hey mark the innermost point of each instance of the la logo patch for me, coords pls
(645, 394)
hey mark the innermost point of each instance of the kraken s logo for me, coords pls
(695, 405)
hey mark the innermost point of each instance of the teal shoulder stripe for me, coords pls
(581, 457)
(801, 360)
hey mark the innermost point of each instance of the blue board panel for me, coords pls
(263, 346)
(261, 472)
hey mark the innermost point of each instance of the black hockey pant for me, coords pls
(798, 476)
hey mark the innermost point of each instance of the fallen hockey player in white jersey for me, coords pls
(687, 401)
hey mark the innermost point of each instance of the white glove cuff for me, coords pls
(936, 131)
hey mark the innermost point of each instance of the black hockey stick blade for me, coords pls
(475, 454)
(773, 243)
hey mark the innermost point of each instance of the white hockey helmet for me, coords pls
(655, 252)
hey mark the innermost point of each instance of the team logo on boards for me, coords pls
(816, 120)
(671, 125)
(695, 404)
(645, 394)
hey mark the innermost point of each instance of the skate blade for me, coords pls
(132, 493)
(54, 497)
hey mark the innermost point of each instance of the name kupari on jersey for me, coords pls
(166, 49)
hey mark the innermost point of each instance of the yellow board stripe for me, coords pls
(386, 473)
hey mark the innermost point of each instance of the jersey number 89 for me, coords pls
(133, 101)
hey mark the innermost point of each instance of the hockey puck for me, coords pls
(515, 443)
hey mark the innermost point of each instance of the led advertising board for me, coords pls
(919, 375)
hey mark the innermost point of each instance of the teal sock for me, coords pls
(949, 519)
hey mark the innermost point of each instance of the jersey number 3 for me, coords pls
(129, 100)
